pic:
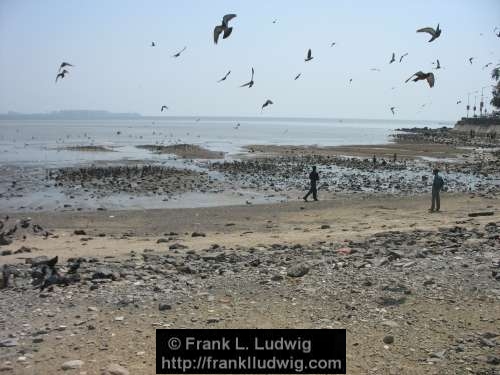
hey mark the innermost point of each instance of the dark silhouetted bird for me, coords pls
(392, 110)
(163, 107)
(403, 56)
(470, 59)
(179, 53)
(421, 76)
(350, 80)
(224, 78)
(333, 43)
(237, 126)
(438, 64)
(62, 74)
(268, 102)
(223, 28)
(64, 64)
(495, 31)
(459, 101)
(249, 84)
(435, 33)
(485, 66)
(393, 58)
(297, 76)
(309, 56)
(274, 21)
(153, 44)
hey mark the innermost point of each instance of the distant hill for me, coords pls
(70, 115)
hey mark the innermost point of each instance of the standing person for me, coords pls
(437, 185)
(314, 178)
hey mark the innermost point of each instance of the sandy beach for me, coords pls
(417, 292)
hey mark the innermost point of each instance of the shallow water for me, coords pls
(42, 142)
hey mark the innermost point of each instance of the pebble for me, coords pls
(71, 365)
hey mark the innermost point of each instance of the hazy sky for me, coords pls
(117, 70)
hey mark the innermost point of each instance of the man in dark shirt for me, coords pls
(437, 185)
(314, 177)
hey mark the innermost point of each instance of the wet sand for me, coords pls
(407, 151)
(184, 151)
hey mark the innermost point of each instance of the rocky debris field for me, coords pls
(11, 230)
(351, 175)
(421, 301)
(443, 135)
(131, 179)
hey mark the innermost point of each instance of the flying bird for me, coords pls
(237, 126)
(421, 76)
(350, 80)
(495, 31)
(333, 43)
(438, 65)
(249, 84)
(64, 64)
(309, 56)
(392, 110)
(393, 58)
(403, 56)
(224, 78)
(274, 21)
(459, 101)
(435, 33)
(470, 59)
(179, 53)
(153, 44)
(268, 102)
(62, 74)
(484, 67)
(375, 69)
(223, 28)
(163, 107)
(297, 76)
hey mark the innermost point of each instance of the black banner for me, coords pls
(251, 351)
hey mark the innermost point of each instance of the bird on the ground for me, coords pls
(223, 28)
(249, 84)
(309, 56)
(393, 58)
(392, 110)
(429, 77)
(153, 44)
(435, 33)
(179, 53)
(484, 67)
(297, 76)
(64, 64)
(403, 56)
(268, 102)
(459, 101)
(470, 59)
(62, 74)
(163, 107)
(333, 43)
(224, 78)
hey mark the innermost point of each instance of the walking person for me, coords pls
(437, 186)
(314, 178)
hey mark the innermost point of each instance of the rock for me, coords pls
(6, 252)
(164, 307)
(389, 339)
(115, 369)
(198, 234)
(177, 246)
(4, 241)
(344, 250)
(119, 318)
(6, 366)
(22, 249)
(162, 240)
(298, 270)
(276, 278)
(6, 343)
(71, 365)
(325, 226)
(104, 273)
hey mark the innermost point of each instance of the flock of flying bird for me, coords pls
(226, 31)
